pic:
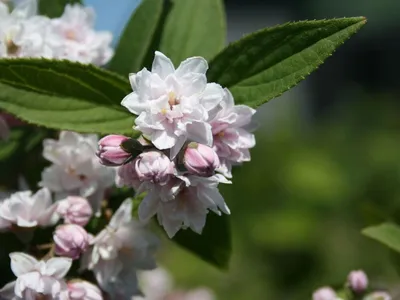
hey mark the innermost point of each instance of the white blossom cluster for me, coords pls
(23, 33)
(73, 189)
(192, 135)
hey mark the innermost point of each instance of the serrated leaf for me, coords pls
(213, 245)
(54, 8)
(137, 38)
(386, 233)
(263, 65)
(65, 95)
(194, 28)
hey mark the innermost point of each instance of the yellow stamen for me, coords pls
(221, 134)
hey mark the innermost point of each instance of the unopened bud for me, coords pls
(70, 240)
(324, 293)
(378, 296)
(357, 281)
(110, 151)
(83, 290)
(154, 166)
(75, 210)
(200, 160)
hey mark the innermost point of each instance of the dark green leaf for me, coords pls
(65, 95)
(54, 8)
(137, 37)
(213, 245)
(263, 65)
(386, 233)
(194, 28)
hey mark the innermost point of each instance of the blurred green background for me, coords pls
(326, 164)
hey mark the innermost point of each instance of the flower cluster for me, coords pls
(73, 189)
(192, 135)
(356, 287)
(23, 33)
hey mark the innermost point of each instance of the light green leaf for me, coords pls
(64, 95)
(137, 38)
(54, 8)
(263, 65)
(386, 233)
(213, 245)
(194, 28)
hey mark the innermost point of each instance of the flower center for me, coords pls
(172, 99)
(72, 171)
(12, 48)
(70, 35)
(221, 134)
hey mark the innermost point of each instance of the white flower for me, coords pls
(232, 140)
(83, 290)
(184, 202)
(22, 33)
(37, 278)
(118, 251)
(76, 169)
(157, 284)
(172, 105)
(26, 210)
(74, 32)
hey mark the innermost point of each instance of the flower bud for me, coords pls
(110, 151)
(75, 210)
(71, 240)
(378, 296)
(357, 281)
(324, 293)
(200, 160)
(83, 290)
(154, 166)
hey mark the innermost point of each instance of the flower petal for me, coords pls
(192, 65)
(162, 65)
(22, 263)
(7, 291)
(163, 139)
(200, 132)
(148, 207)
(123, 214)
(58, 267)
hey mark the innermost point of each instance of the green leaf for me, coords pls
(65, 95)
(137, 38)
(263, 65)
(54, 8)
(386, 233)
(194, 28)
(213, 245)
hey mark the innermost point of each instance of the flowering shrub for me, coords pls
(170, 135)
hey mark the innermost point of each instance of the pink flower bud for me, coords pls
(200, 160)
(154, 166)
(110, 152)
(358, 281)
(83, 290)
(71, 240)
(324, 293)
(75, 210)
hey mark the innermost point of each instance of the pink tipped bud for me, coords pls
(71, 240)
(358, 281)
(83, 290)
(200, 160)
(154, 166)
(110, 151)
(324, 293)
(75, 210)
